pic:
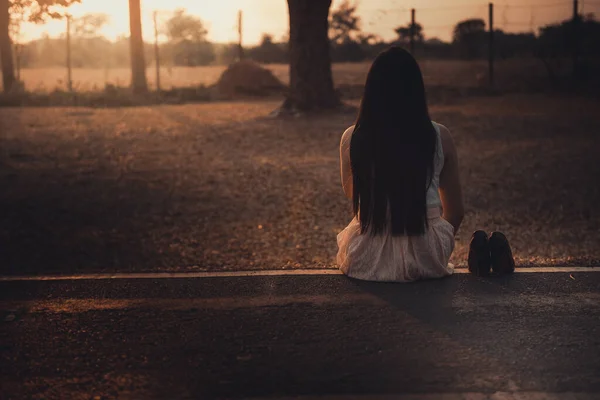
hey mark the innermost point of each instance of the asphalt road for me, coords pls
(529, 336)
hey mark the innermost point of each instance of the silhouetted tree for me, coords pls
(436, 48)
(36, 11)
(187, 40)
(371, 45)
(556, 43)
(226, 53)
(514, 44)
(268, 51)
(403, 33)
(89, 25)
(344, 23)
(348, 51)
(558, 39)
(139, 83)
(469, 36)
(182, 26)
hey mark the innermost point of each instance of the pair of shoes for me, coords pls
(490, 253)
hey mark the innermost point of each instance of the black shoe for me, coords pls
(501, 254)
(479, 254)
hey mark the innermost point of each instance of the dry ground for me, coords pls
(222, 187)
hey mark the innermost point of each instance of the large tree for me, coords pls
(36, 11)
(311, 80)
(8, 69)
(139, 84)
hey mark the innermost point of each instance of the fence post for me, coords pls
(240, 34)
(69, 72)
(491, 45)
(18, 61)
(156, 52)
(412, 31)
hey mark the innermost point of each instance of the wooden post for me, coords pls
(156, 52)
(491, 49)
(18, 48)
(412, 31)
(69, 72)
(240, 34)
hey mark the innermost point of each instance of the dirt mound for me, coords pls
(248, 78)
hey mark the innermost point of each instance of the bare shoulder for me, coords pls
(447, 142)
(345, 141)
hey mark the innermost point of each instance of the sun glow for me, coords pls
(220, 17)
(379, 17)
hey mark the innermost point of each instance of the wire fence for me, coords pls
(506, 47)
(508, 16)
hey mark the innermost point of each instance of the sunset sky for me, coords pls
(270, 16)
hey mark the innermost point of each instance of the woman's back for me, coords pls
(385, 257)
(393, 167)
(432, 196)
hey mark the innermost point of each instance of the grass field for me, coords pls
(437, 73)
(221, 186)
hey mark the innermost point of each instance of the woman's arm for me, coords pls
(345, 167)
(450, 187)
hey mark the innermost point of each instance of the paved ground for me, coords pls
(529, 336)
(218, 186)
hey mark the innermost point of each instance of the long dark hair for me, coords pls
(393, 148)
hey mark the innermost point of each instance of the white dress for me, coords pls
(390, 258)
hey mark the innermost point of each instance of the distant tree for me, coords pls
(190, 54)
(558, 41)
(226, 53)
(182, 26)
(404, 33)
(139, 83)
(436, 48)
(88, 47)
(268, 51)
(514, 44)
(266, 40)
(560, 38)
(89, 25)
(35, 11)
(121, 51)
(311, 79)
(367, 38)
(187, 40)
(348, 51)
(469, 36)
(344, 22)
(371, 45)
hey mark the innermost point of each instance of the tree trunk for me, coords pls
(139, 83)
(311, 80)
(6, 57)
